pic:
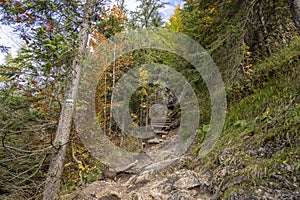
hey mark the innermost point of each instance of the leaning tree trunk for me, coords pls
(53, 180)
(295, 10)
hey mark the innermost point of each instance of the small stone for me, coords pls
(187, 182)
(252, 153)
(155, 141)
(224, 155)
(145, 177)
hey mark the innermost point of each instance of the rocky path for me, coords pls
(182, 184)
(171, 183)
(176, 182)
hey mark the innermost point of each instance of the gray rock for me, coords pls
(180, 195)
(150, 185)
(155, 141)
(265, 151)
(224, 156)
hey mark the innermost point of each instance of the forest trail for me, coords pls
(171, 182)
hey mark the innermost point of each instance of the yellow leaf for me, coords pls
(144, 92)
(248, 53)
(80, 166)
(212, 10)
(143, 105)
(67, 164)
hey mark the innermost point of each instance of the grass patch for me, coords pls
(262, 127)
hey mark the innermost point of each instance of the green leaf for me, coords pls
(240, 123)
(206, 128)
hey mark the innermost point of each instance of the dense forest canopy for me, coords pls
(254, 44)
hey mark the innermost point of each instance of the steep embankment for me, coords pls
(258, 154)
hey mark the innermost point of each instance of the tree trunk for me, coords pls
(112, 92)
(295, 10)
(53, 180)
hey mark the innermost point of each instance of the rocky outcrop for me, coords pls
(150, 185)
(182, 184)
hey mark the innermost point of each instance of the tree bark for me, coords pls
(53, 180)
(295, 10)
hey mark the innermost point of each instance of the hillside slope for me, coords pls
(256, 157)
(255, 47)
(258, 154)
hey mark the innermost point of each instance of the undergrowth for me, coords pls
(265, 116)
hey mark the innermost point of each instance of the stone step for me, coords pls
(168, 120)
(161, 132)
(173, 113)
(161, 119)
(160, 123)
(159, 126)
(155, 141)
